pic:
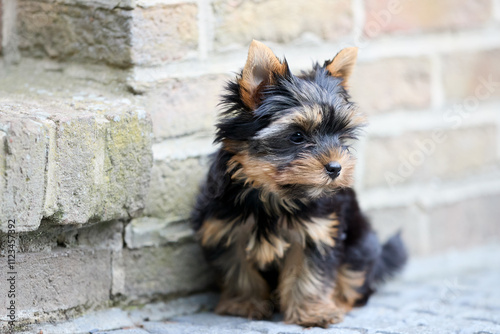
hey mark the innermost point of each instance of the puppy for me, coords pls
(276, 216)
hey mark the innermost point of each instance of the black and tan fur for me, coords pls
(276, 216)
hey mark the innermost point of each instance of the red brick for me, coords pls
(395, 83)
(238, 22)
(173, 188)
(161, 271)
(465, 75)
(184, 106)
(409, 220)
(424, 156)
(64, 31)
(62, 279)
(468, 223)
(164, 33)
(94, 32)
(389, 16)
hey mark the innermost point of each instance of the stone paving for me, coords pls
(458, 292)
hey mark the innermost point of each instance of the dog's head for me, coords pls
(290, 135)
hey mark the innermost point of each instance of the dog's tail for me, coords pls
(390, 261)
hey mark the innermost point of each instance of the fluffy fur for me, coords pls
(276, 216)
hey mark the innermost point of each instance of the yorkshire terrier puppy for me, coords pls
(276, 216)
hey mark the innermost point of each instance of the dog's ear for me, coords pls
(260, 70)
(342, 64)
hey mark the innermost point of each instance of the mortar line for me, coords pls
(437, 92)
(153, 3)
(419, 194)
(359, 15)
(202, 29)
(498, 136)
(423, 227)
(496, 10)
(398, 122)
(210, 25)
(360, 169)
(425, 238)
(9, 38)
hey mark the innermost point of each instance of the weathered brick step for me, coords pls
(72, 161)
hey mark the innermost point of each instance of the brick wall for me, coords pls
(428, 77)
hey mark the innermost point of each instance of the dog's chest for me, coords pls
(272, 247)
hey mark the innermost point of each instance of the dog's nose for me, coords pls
(333, 169)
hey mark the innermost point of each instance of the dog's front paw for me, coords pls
(315, 315)
(251, 308)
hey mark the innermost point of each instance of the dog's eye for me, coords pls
(297, 138)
